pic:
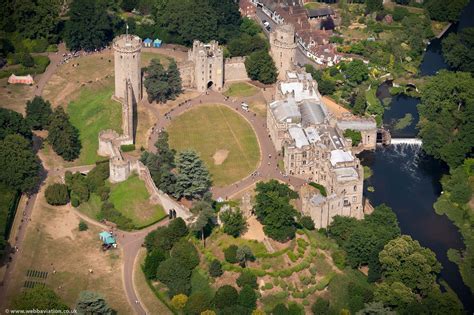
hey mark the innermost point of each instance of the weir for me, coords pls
(410, 141)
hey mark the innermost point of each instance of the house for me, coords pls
(25, 79)
(147, 42)
(247, 8)
(157, 43)
(321, 13)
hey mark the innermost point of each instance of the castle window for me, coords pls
(304, 154)
(292, 156)
(354, 199)
(355, 188)
(304, 162)
(291, 164)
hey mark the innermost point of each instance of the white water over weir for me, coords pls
(409, 141)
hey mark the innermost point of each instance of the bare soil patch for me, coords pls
(220, 156)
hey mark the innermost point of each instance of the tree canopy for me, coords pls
(162, 85)
(63, 136)
(38, 113)
(41, 298)
(441, 10)
(447, 113)
(93, 303)
(261, 67)
(193, 179)
(458, 50)
(12, 122)
(20, 166)
(234, 222)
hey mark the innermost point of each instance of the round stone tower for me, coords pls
(283, 48)
(127, 49)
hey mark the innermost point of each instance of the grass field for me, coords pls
(14, 96)
(93, 111)
(211, 128)
(241, 89)
(131, 199)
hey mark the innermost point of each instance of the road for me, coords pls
(301, 58)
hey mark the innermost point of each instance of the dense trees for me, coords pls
(193, 179)
(273, 209)
(93, 303)
(13, 123)
(357, 71)
(306, 222)
(458, 50)
(63, 136)
(363, 240)
(38, 113)
(261, 67)
(89, 26)
(234, 222)
(20, 166)
(162, 85)
(447, 112)
(441, 10)
(373, 5)
(57, 194)
(40, 298)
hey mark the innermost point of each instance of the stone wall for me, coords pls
(234, 69)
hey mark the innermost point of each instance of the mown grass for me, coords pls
(241, 89)
(132, 199)
(91, 112)
(209, 128)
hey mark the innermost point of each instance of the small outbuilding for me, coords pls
(107, 238)
(147, 42)
(157, 43)
(25, 79)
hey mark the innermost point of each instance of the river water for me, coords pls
(407, 180)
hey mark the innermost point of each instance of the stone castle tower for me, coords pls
(283, 48)
(208, 60)
(128, 78)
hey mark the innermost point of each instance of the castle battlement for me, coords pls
(127, 43)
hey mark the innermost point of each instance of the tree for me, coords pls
(193, 179)
(247, 278)
(320, 307)
(445, 11)
(244, 254)
(375, 308)
(447, 110)
(230, 254)
(260, 67)
(225, 296)
(280, 309)
(399, 13)
(129, 5)
(248, 297)
(11, 123)
(92, 303)
(360, 104)
(404, 260)
(174, 79)
(373, 5)
(20, 167)
(458, 186)
(152, 260)
(273, 209)
(394, 294)
(458, 50)
(89, 26)
(197, 303)
(38, 112)
(356, 71)
(63, 136)
(41, 298)
(175, 276)
(57, 194)
(37, 19)
(177, 229)
(162, 85)
(306, 222)
(77, 185)
(179, 301)
(215, 268)
(234, 222)
(186, 253)
(205, 220)
(250, 27)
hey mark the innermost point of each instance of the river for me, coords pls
(407, 180)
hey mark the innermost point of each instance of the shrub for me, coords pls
(280, 309)
(247, 278)
(179, 301)
(127, 147)
(57, 194)
(83, 226)
(307, 222)
(248, 297)
(230, 254)
(215, 268)
(354, 135)
(313, 270)
(268, 286)
(198, 302)
(292, 256)
(75, 202)
(320, 307)
(339, 258)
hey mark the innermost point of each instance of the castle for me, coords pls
(312, 141)
(128, 91)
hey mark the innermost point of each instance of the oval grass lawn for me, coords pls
(223, 138)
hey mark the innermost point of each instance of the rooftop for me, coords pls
(346, 174)
(313, 112)
(340, 156)
(286, 110)
(299, 136)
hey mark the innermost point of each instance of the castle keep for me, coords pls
(283, 49)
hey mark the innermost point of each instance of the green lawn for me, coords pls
(91, 112)
(241, 89)
(131, 199)
(211, 128)
(92, 207)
